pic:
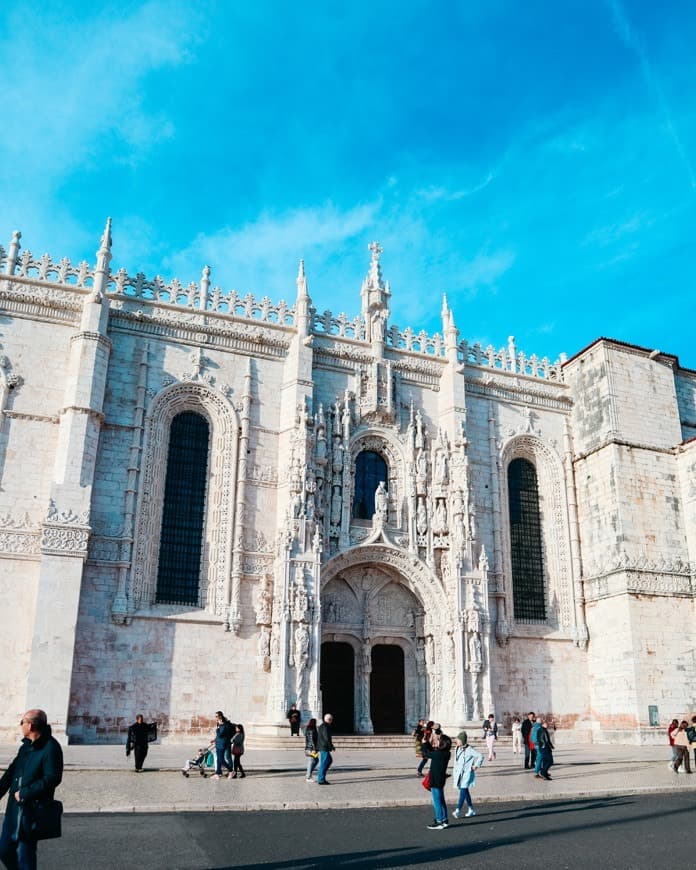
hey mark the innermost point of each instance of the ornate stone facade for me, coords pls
(413, 605)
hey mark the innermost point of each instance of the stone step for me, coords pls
(354, 741)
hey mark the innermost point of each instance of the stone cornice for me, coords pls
(517, 388)
(611, 441)
(247, 337)
(632, 581)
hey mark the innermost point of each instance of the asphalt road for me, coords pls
(620, 832)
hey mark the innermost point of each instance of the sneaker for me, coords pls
(215, 776)
(443, 825)
(455, 814)
(434, 826)
(308, 779)
(472, 812)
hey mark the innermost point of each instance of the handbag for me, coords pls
(425, 782)
(311, 753)
(41, 819)
(237, 750)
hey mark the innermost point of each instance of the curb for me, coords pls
(357, 804)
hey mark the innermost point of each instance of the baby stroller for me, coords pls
(204, 759)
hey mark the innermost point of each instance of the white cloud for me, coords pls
(67, 85)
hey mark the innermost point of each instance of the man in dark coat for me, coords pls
(35, 773)
(224, 732)
(324, 747)
(529, 751)
(138, 740)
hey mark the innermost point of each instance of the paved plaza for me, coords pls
(101, 779)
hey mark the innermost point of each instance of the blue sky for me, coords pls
(535, 161)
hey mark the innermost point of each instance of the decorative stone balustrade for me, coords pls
(342, 326)
(44, 269)
(415, 342)
(509, 359)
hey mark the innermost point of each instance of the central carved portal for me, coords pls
(371, 610)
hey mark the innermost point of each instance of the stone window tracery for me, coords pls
(525, 541)
(370, 470)
(181, 539)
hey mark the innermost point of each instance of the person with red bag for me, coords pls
(439, 754)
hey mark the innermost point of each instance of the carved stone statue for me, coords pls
(440, 518)
(441, 467)
(474, 649)
(301, 601)
(381, 501)
(421, 518)
(301, 646)
(336, 506)
(420, 442)
(264, 604)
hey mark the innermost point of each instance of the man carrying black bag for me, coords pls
(31, 779)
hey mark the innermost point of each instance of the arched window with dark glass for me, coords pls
(525, 542)
(181, 541)
(370, 470)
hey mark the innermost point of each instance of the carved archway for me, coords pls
(379, 595)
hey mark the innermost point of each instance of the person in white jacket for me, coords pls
(467, 761)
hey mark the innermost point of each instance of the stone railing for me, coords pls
(341, 326)
(62, 272)
(415, 342)
(509, 359)
(201, 296)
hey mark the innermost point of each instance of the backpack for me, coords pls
(691, 733)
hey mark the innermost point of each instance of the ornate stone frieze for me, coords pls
(19, 536)
(642, 576)
(510, 388)
(257, 564)
(64, 540)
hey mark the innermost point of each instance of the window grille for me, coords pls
(370, 469)
(181, 539)
(525, 542)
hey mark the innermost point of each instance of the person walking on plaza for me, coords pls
(529, 750)
(425, 746)
(534, 737)
(310, 748)
(223, 739)
(681, 745)
(490, 732)
(691, 734)
(673, 726)
(325, 747)
(467, 761)
(544, 750)
(35, 773)
(294, 717)
(439, 754)
(516, 735)
(138, 741)
(238, 751)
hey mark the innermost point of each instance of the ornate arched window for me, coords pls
(370, 470)
(183, 514)
(528, 592)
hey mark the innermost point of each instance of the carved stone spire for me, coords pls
(101, 271)
(303, 302)
(13, 253)
(375, 295)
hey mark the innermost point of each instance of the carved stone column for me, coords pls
(363, 713)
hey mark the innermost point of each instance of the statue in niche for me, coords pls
(474, 649)
(421, 467)
(309, 500)
(301, 646)
(421, 517)
(295, 505)
(336, 506)
(331, 611)
(264, 604)
(440, 518)
(381, 501)
(483, 561)
(420, 441)
(301, 601)
(473, 620)
(441, 467)
(264, 647)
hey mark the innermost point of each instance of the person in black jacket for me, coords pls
(138, 741)
(439, 755)
(223, 740)
(529, 751)
(35, 773)
(310, 747)
(324, 747)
